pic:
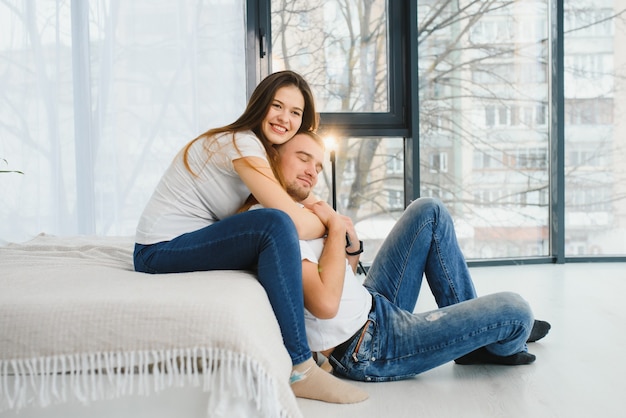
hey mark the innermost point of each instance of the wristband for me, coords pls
(357, 252)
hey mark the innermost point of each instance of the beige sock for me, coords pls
(311, 382)
(326, 366)
(322, 362)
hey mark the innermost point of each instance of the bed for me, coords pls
(77, 324)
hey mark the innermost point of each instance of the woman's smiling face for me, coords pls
(284, 117)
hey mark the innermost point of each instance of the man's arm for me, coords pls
(323, 282)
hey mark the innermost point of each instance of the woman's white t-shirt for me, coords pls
(354, 307)
(184, 202)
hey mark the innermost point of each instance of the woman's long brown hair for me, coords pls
(256, 110)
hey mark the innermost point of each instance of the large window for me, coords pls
(511, 112)
(486, 126)
(595, 128)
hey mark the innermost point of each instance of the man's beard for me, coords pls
(297, 192)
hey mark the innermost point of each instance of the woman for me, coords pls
(189, 223)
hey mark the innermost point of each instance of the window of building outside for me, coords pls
(595, 128)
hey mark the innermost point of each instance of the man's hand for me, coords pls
(353, 244)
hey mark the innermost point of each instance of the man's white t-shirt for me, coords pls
(354, 307)
(184, 202)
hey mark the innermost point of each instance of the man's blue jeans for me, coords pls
(397, 343)
(264, 240)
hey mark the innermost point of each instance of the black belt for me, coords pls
(341, 349)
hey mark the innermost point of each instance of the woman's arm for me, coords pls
(323, 282)
(258, 176)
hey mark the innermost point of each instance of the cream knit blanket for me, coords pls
(77, 322)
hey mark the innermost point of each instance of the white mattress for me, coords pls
(77, 323)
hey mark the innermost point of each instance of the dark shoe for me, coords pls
(540, 330)
(482, 356)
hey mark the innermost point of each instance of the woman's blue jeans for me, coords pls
(397, 343)
(264, 240)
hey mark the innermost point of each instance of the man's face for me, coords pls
(300, 163)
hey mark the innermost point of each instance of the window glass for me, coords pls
(595, 128)
(369, 175)
(484, 123)
(340, 47)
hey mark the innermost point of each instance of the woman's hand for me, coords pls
(353, 238)
(327, 215)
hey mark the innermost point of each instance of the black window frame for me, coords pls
(393, 123)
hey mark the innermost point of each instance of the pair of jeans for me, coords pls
(264, 240)
(398, 343)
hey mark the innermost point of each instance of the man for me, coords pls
(369, 331)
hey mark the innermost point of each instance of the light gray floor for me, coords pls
(580, 369)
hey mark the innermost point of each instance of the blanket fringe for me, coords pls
(91, 377)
